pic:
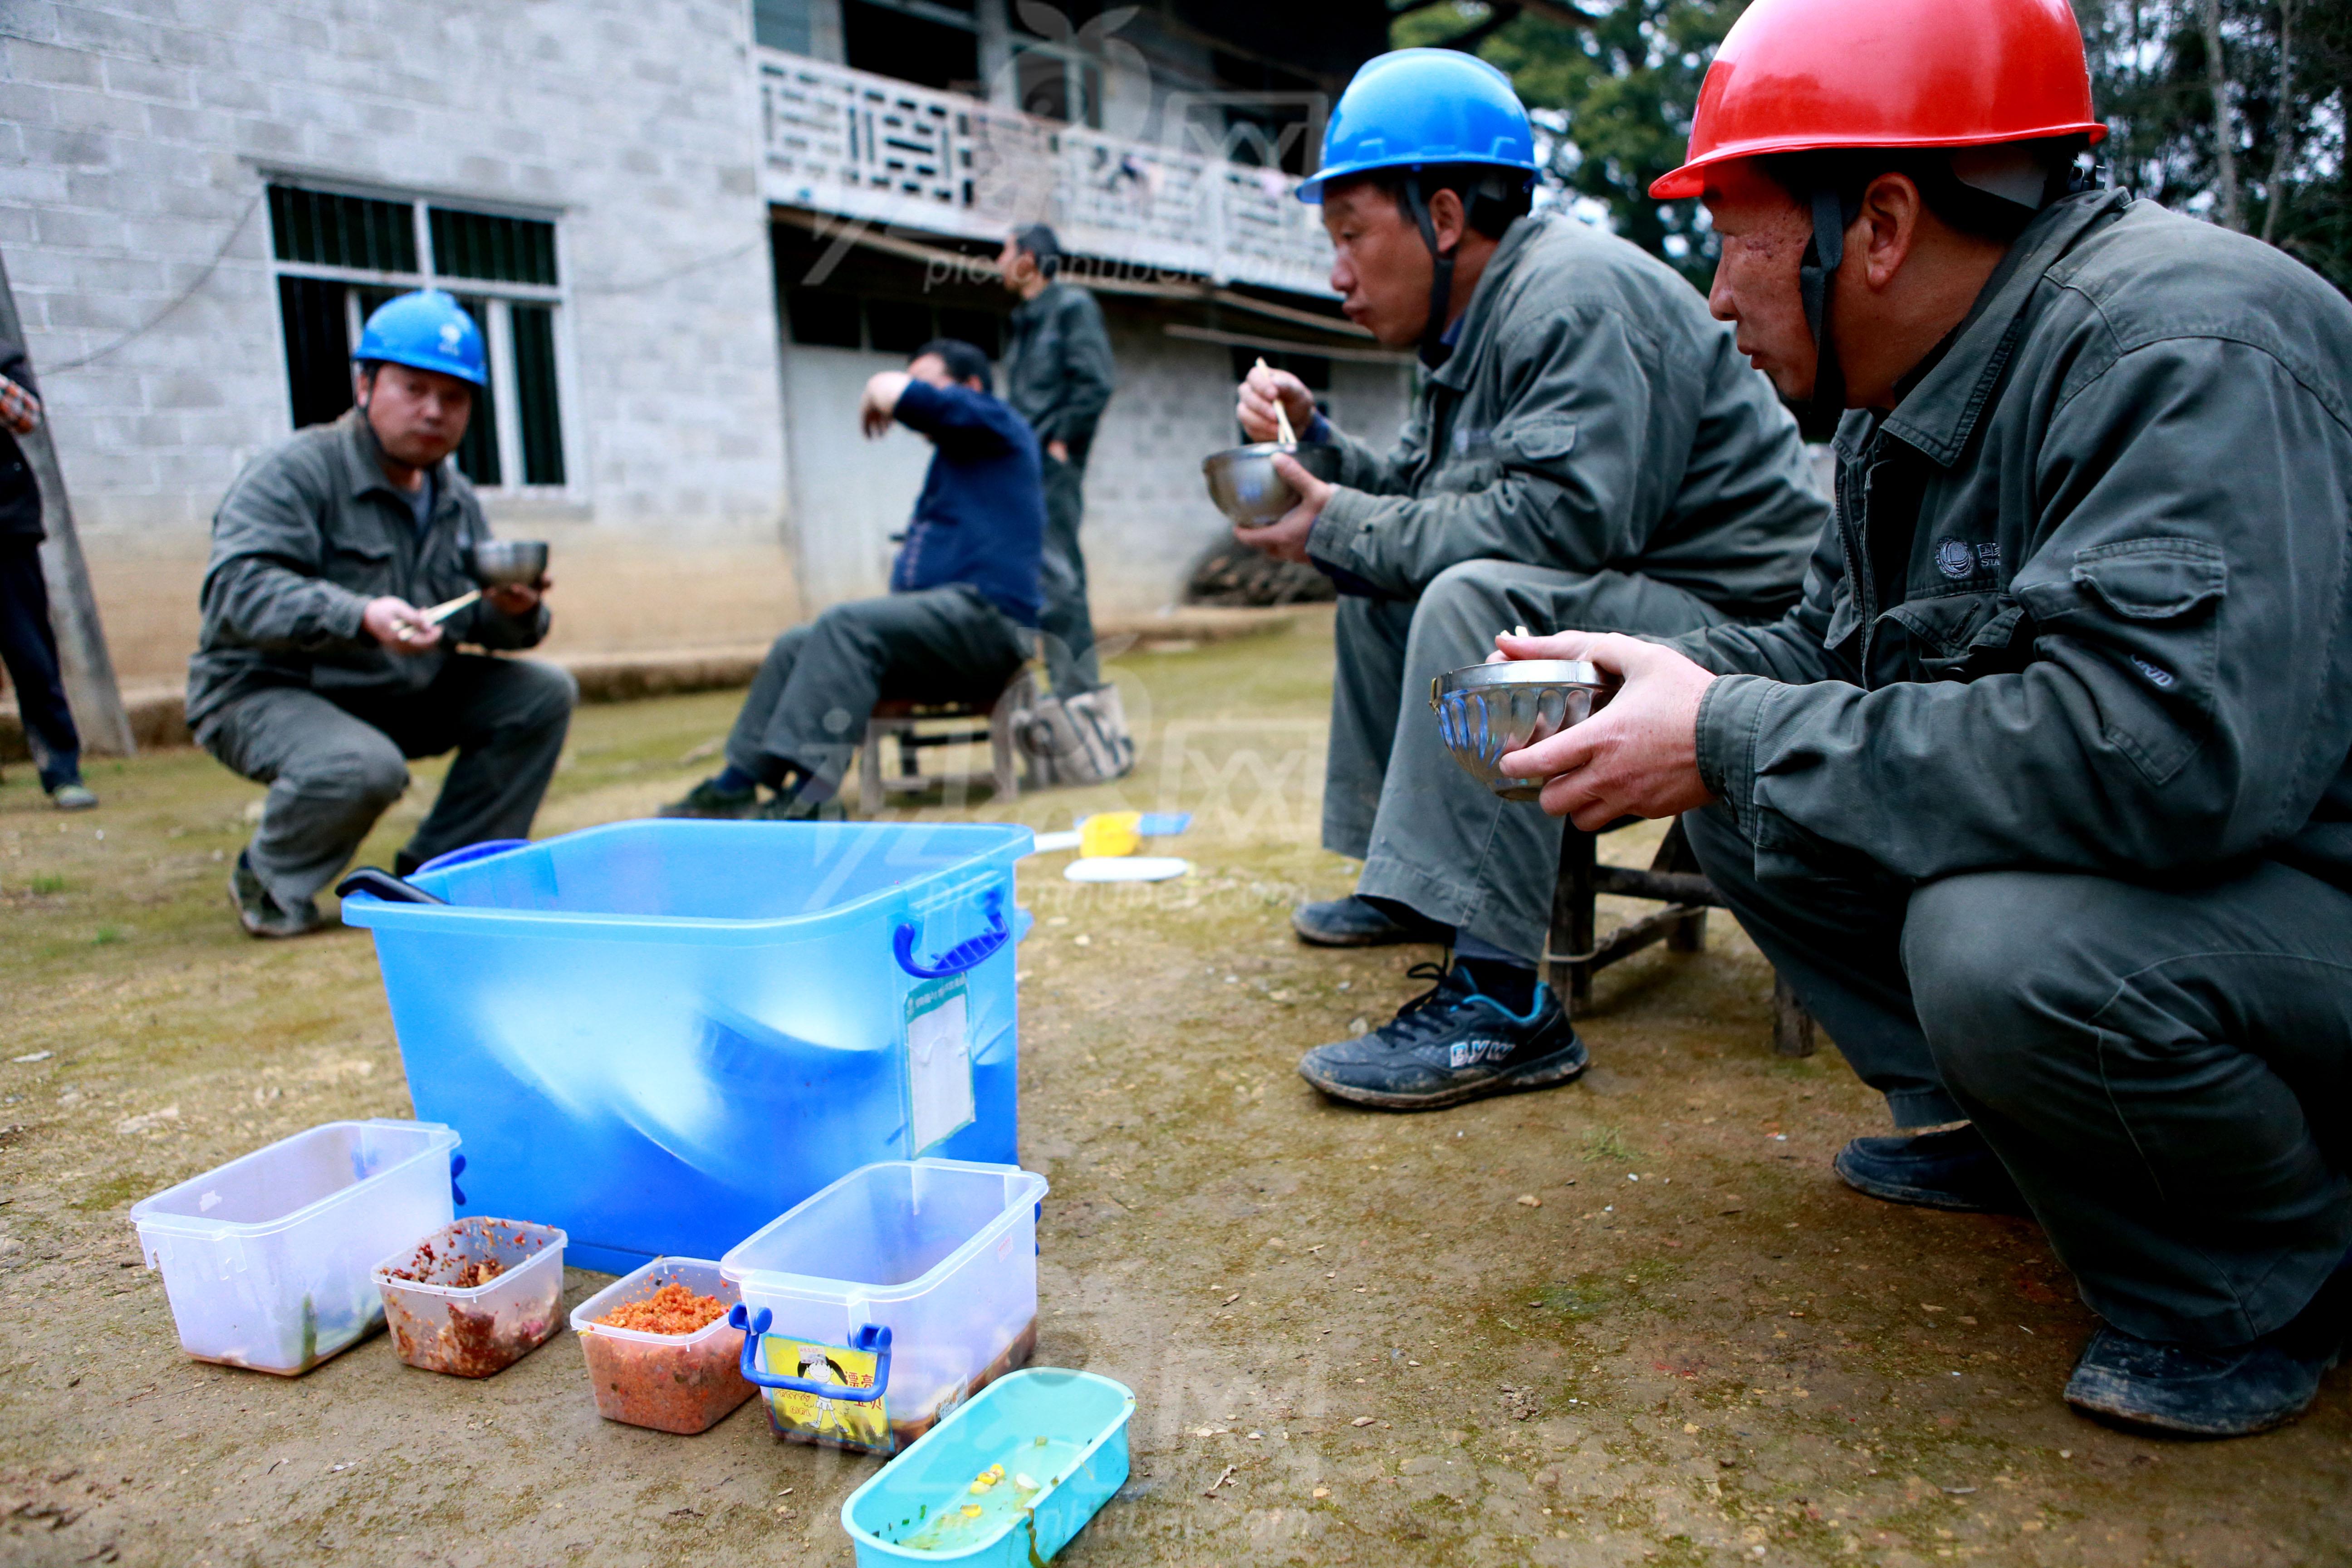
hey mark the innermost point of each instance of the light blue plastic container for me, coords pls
(658, 1036)
(1064, 1431)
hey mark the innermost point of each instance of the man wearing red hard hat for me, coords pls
(2041, 798)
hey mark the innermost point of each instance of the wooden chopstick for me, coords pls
(1281, 413)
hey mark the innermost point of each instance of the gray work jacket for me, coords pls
(2087, 605)
(307, 535)
(1057, 368)
(1591, 415)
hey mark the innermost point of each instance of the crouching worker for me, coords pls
(955, 628)
(318, 674)
(2040, 798)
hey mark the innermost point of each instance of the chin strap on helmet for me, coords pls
(1818, 415)
(1434, 349)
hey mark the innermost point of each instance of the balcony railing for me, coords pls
(866, 146)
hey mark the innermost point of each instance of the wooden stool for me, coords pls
(915, 725)
(1573, 957)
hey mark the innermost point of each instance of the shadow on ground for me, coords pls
(1634, 1320)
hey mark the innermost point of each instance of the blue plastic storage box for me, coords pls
(658, 1036)
(1047, 1448)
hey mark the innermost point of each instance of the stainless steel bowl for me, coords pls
(507, 563)
(1247, 487)
(1490, 708)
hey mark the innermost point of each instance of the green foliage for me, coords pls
(1625, 82)
(2151, 79)
(47, 884)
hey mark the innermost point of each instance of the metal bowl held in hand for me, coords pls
(507, 563)
(1247, 487)
(1488, 709)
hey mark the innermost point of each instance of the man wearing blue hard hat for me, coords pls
(317, 673)
(1588, 448)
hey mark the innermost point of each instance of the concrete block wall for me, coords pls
(136, 137)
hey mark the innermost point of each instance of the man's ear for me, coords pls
(1447, 216)
(1886, 229)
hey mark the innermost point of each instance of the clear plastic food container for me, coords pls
(888, 1298)
(266, 1260)
(474, 1297)
(671, 1382)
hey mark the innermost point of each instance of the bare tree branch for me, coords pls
(2225, 136)
(2274, 198)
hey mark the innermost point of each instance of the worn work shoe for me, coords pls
(708, 800)
(1954, 1169)
(259, 912)
(2234, 1392)
(791, 808)
(1359, 922)
(75, 797)
(1450, 1044)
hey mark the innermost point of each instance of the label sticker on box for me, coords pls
(939, 1063)
(813, 1418)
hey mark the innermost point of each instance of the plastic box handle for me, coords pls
(870, 1337)
(457, 1169)
(964, 954)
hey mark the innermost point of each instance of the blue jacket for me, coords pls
(981, 516)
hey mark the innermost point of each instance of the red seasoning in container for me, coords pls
(474, 1297)
(659, 1352)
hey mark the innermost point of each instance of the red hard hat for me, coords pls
(1796, 76)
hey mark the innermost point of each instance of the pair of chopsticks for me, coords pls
(1281, 413)
(442, 612)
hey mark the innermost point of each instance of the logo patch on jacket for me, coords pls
(1470, 1053)
(1953, 558)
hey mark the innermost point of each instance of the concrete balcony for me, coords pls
(864, 146)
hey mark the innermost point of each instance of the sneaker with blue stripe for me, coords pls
(1452, 1043)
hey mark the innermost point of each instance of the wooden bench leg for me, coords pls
(1675, 854)
(869, 771)
(1570, 966)
(1792, 1026)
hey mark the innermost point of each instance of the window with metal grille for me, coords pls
(339, 256)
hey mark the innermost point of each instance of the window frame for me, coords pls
(498, 329)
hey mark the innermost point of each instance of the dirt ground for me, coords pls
(1633, 1320)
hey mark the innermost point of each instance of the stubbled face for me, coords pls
(419, 415)
(1764, 232)
(1015, 266)
(1379, 267)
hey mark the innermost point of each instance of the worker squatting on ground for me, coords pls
(28, 644)
(316, 672)
(1589, 448)
(957, 624)
(2040, 799)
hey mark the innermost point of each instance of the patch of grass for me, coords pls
(1607, 1143)
(105, 935)
(48, 884)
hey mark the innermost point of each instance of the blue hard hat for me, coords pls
(427, 330)
(1419, 107)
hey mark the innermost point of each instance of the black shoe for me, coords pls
(791, 808)
(259, 912)
(1953, 1169)
(405, 865)
(707, 800)
(2157, 1388)
(1359, 922)
(1450, 1044)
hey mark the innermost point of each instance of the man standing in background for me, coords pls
(28, 644)
(1059, 376)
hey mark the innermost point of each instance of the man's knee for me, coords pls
(367, 772)
(543, 694)
(1993, 965)
(1463, 608)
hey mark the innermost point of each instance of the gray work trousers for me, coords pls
(1431, 837)
(808, 706)
(1067, 626)
(2167, 1072)
(333, 765)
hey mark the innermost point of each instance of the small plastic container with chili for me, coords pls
(473, 1298)
(657, 1366)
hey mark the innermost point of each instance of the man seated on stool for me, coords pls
(956, 624)
(317, 674)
